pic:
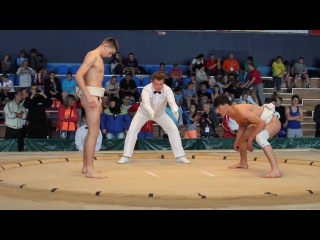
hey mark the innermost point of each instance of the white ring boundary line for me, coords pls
(152, 174)
(207, 173)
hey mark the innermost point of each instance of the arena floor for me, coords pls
(152, 180)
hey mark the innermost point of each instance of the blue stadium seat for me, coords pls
(210, 90)
(185, 81)
(50, 68)
(146, 81)
(153, 69)
(137, 80)
(185, 69)
(62, 69)
(74, 69)
(107, 70)
(140, 89)
(168, 68)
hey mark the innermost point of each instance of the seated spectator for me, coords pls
(126, 102)
(286, 75)
(209, 121)
(196, 62)
(162, 68)
(213, 66)
(112, 87)
(129, 87)
(116, 65)
(8, 91)
(203, 95)
(52, 87)
(299, 70)
(168, 80)
(18, 61)
(201, 76)
(69, 86)
(115, 121)
(189, 96)
(25, 73)
(131, 65)
(231, 69)
(105, 101)
(39, 63)
(68, 117)
(6, 64)
(176, 74)
(178, 96)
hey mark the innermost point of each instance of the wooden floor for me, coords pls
(152, 180)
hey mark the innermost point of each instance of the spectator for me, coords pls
(213, 66)
(299, 70)
(116, 65)
(112, 87)
(8, 91)
(231, 69)
(277, 74)
(25, 73)
(190, 120)
(68, 117)
(105, 101)
(18, 61)
(36, 104)
(52, 87)
(6, 64)
(295, 117)
(131, 65)
(115, 121)
(39, 63)
(69, 86)
(176, 74)
(209, 121)
(196, 63)
(189, 95)
(15, 113)
(128, 87)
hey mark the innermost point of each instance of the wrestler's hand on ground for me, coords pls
(151, 113)
(175, 114)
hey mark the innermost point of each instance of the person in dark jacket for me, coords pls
(36, 104)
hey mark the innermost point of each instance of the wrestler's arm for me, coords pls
(88, 62)
(250, 117)
(300, 117)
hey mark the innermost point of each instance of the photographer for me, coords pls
(209, 122)
(36, 103)
(25, 74)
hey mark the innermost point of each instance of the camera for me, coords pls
(38, 90)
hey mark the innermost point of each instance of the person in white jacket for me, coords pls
(81, 133)
(155, 97)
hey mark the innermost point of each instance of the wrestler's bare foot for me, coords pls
(272, 174)
(95, 175)
(239, 165)
(84, 171)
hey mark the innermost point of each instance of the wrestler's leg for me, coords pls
(273, 128)
(243, 148)
(93, 122)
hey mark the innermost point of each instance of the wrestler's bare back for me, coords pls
(94, 76)
(242, 113)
